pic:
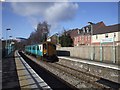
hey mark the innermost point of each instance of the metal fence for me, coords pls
(107, 54)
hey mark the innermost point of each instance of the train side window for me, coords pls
(44, 46)
(33, 47)
(37, 47)
(40, 47)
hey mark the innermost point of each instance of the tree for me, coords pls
(65, 40)
(42, 31)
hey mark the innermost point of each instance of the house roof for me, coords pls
(106, 29)
(73, 32)
(98, 28)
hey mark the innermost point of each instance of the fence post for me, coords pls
(113, 50)
(114, 54)
(92, 53)
(101, 51)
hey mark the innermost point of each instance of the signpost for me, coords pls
(105, 41)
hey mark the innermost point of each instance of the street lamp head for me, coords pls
(10, 36)
(8, 29)
(90, 23)
(57, 34)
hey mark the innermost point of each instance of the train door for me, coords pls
(52, 49)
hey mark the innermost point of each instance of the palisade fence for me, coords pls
(108, 54)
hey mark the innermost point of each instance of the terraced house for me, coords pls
(96, 34)
(107, 35)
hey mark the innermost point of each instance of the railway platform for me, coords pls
(18, 75)
(104, 70)
(28, 78)
(92, 62)
(9, 73)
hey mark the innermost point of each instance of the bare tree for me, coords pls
(41, 34)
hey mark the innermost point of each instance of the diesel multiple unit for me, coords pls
(46, 50)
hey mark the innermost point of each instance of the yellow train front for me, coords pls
(49, 52)
(46, 50)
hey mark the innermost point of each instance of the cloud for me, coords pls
(52, 12)
(61, 12)
(38, 1)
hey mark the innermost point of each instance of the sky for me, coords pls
(23, 17)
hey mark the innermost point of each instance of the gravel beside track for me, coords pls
(70, 72)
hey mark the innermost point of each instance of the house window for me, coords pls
(96, 36)
(114, 34)
(78, 31)
(83, 30)
(87, 30)
(106, 35)
(88, 37)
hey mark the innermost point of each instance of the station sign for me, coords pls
(107, 40)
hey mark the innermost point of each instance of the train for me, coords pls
(46, 51)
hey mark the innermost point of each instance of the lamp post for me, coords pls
(92, 53)
(57, 35)
(10, 45)
(91, 25)
(6, 40)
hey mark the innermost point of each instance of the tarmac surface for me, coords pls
(9, 73)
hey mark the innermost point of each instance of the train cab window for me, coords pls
(44, 46)
(54, 46)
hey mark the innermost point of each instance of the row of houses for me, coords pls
(95, 34)
(99, 33)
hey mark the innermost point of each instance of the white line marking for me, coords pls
(92, 63)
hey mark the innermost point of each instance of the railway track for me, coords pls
(80, 75)
(54, 82)
(90, 80)
(95, 79)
